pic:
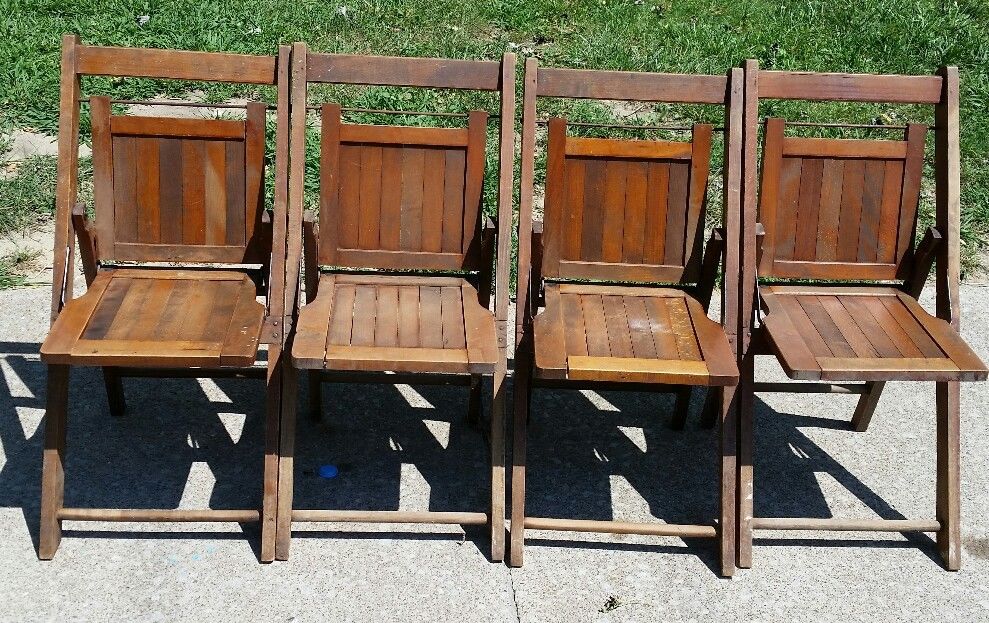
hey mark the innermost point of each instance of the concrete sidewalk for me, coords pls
(187, 443)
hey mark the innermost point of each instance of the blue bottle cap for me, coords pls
(328, 471)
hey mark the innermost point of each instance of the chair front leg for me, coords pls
(727, 404)
(497, 439)
(53, 469)
(949, 474)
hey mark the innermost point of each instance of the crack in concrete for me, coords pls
(518, 615)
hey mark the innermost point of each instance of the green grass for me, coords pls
(708, 36)
(10, 267)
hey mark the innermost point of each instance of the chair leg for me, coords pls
(949, 474)
(497, 459)
(286, 464)
(474, 406)
(114, 392)
(725, 399)
(681, 408)
(53, 469)
(273, 407)
(746, 406)
(711, 412)
(521, 400)
(867, 406)
(315, 395)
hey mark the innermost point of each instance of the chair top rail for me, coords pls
(174, 64)
(840, 87)
(630, 85)
(435, 73)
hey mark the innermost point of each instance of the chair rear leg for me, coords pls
(53, 467)
(273, 409)
(746, 406)
(949, 474)
(521, 399)
(725, 400)
(315, 379)
(497, 460)
(474, 404)
(867, 406)
(711, 411)
(681, 408)
(114, 392)
(286, 465)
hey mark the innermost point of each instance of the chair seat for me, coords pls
(397, 324)
(631, 334)
(863, 334)
(159, 318)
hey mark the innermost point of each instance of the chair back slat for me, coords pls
(400, 197)
(624, 210)
(839, 208)
(178, 190)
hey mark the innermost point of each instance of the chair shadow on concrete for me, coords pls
(582, 453)
(408, 446)
(172, 430)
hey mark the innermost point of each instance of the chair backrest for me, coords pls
(166, 189)
(396, 197)
(839, 208)
(624, 210)
(178, 190)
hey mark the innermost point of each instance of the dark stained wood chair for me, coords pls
(831, 274)
(398, 267)
(619, 267)
(180, 249)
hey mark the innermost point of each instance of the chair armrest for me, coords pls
(923, 261)
(310, 254)
(709, 267)
(489, 242)
(536, 299)
(86, 233)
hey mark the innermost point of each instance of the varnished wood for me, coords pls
(394, 200)
(861, 333)
(624, 211)
(131, 320)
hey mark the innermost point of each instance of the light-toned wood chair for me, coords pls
(620, 270)
(179, 251)
(831, 272)
(398, 267)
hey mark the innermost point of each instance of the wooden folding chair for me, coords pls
(835, 231)
(179, 251)
(628, 212)
(398, 273)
